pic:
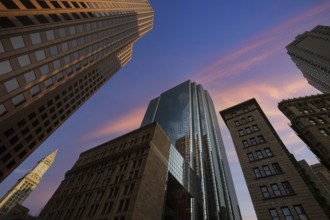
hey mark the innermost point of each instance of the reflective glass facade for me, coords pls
(197, 159)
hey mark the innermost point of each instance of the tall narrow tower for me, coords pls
(54, 55)
(26, 185)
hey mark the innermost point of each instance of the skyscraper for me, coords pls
(54, 55)
(198, 160)
(272, 174)
(310, 119)
(310, 51)
(124, 178)
(18, 193)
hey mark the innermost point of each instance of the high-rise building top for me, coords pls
(54, 55)
(18, 193)
(277, 189)
(310, 119)
(198, 159)
(125, 178)
(310, 51)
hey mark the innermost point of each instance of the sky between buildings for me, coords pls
(235, 49)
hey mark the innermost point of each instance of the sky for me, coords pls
(235, 49)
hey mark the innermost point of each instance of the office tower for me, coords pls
(121, 179)
(272, 174)
(54, 55)
(310, 119)
(26, 185)
(200, 165)
(310, 51)
(319, 177)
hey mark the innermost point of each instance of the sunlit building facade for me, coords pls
(54, 55)
(277, 187)
(200, 185)
(22, 189)
(310, 51)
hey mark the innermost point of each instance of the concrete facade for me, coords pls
(54, 55)
(271, 172)
(310, 119)
(122, 179)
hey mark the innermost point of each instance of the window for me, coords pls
(64, 46)
(35, 38)
(237, 123)
(17, 42)
(50, 35)
(11, 85)
(56, 64)
(42, 19)
(255, 127)
(17, 100)
(287, 187)
(248, 130)
(300, 212)
(267, 170)
(72, 30)
(287, 214)
(324, 132)
(53, 50)
(40, 55)
(62, 32)
(264, 191)
(268, 152)
(250, 118)
(277, 168)
(261, 139)
(320, 120)
(1, 48)
(24, 60)
(35, 90)
(257, 172)
(245, 109)
(67, 59)
(5, 67)
(25, 20)
(250, 156)
(253, 141)
(259, 154)
(243, 120)
(240, 132)
(273, 213)
(233, 115)
(9, 4)
(245, 143)
(276, 189)
(29, 76)
(44, 69)
(312, 121)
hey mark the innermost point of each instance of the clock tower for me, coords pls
(25, 185)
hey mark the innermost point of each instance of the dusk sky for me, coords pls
(235, 49)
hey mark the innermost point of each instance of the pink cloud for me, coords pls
(125, 123)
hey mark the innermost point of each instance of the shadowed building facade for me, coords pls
(54, 55)
(310, 119)
(201, 182)
(272, 174)
(23, 188)
(310, 51)
(121, 179)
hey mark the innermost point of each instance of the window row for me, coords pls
(287, 214)
(248, 130)
(244, 120)
(260, 154)
(253, 141)
(277, 190)
(267, 171)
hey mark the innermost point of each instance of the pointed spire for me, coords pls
(51, 157)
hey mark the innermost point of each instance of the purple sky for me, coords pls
(236, 50)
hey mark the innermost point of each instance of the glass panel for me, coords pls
(29, 76)
(35, 90)
(50, 35)
(64, 47)
(24, 60)
(35, 38)
(67, 59)
(62, 32)
(53, 50)
(5, 67)
(18, 99)
(57, 64)
(2, 109)
(48, 82)
(17, 42)
(72, 30)
(44, 69)
(11, 85)
(1, 48)
(40, 55)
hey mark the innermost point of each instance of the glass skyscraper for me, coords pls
(199, 185)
